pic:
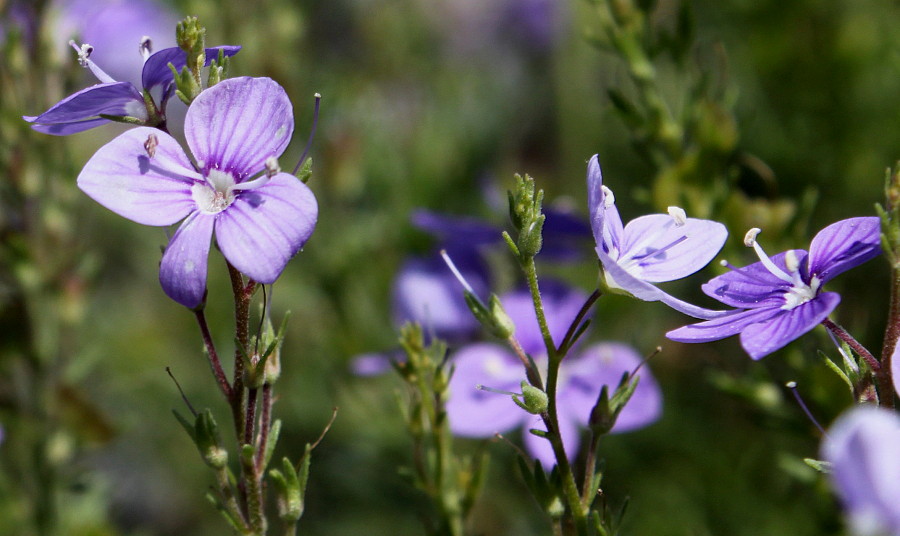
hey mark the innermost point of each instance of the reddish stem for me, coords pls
(214, 362)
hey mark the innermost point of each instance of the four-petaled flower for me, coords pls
(650, 249)
(865, 469)
(260, 216)
(473, 412)
(93, 106)
(779, 299)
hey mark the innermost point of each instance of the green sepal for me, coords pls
(290, 486)
(305, 171)
(837, 370)
(218, 69)
(127, 119)
(819, 465)
(274, 432)
(208, 441)
(235, 523)
(492, 316)
(188, 427)
(607, 409)
(532, 399)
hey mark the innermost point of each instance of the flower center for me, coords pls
(799, 291)
(216, 194)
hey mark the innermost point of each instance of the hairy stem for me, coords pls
(213, 356)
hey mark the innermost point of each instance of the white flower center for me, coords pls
(799, 292)
(216, 194)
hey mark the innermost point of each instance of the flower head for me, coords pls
(780, 298)
(93, 106)
(477, 413)
(260, 218)
(865, 469)
(650, 249)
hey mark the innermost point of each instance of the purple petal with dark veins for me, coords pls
(148, 190)
(752, 286)
(604, 364)
(264, 227)
(476, 413)
(761, 339)
(844, 245)
(865, 468)
(237, 124)
(156, 70)
(595, 198)
(722, 327)
(71, 114)
(643, 290)
(677, 252)
(182, 272)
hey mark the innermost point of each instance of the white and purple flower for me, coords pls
(95, 105)
(650, 249)
(260, 216)
(478, 413)
(780, 298)
(862, 448)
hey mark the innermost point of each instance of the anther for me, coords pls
(146, 47)
(272, 167)
(608, 198)
(84, 52)
(791, 262)
(151, 144)
(750, 237)
(678, 215)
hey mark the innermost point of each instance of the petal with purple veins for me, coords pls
(237, 124)
(477, 413)
(182, 272)
(595, 198)
(155, 190)
(266, 226)
(761, 339)
(665, 251)
(844, 245)
(752, 286)
(722, 327)
(71, 114)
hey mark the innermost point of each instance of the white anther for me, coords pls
(608, 198)
(146, 47)
(723, 263)
(750, 237)
(791, 262)
(272, 167)
(151, 144)
(678, 215)
(84, 52)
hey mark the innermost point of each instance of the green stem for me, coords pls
(891, 334)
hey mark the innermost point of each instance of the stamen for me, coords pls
(793, 387)
(608, 198)
(750, 241)
(456, 273)
(272, 167)
(262, 180)
(84, 54)
(151, 144)
(498, 391)
(678, 215)
(146, 47)
(312, 134)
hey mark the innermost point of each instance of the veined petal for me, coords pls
(476, 413)
(844, 245)
(237, 124)
(612, 228)
(122, 177)
(265, 227)
(595, 197)
(722, 327)
(763, 338)
(643, 290)
(117, 98)
(156, 70)
(695, 244)
(65, 129)
(753, 285)
(182, 272)
(602, 364)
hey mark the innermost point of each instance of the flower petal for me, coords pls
(752, 286)
(595, 198)
(265, 227)
(695, 244)
(460, 231)
(645, 291)
(604, 364)
(151, 191)
(721, 327)
(761, 339)
(237, 124)
(117, 98)
(182, 272)
(156, 70)
(844, 245)
(565, 234)
(865, 468)
(476, 413)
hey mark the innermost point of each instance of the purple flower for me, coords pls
(862, 448)
(91, 106)
(780, 298)
(260, 216)
(650, 249)
(478, 413)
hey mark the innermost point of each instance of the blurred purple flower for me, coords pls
(477, 413)
(779, 299)
(260, 216)
(865, 469)
(85, 109)
(650, 249)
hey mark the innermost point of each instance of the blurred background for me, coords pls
(788, 122)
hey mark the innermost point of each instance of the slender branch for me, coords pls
(214, 362)
(573, 327)
(885, 389)
(891, 334)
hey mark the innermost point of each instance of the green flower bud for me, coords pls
(532, 399)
